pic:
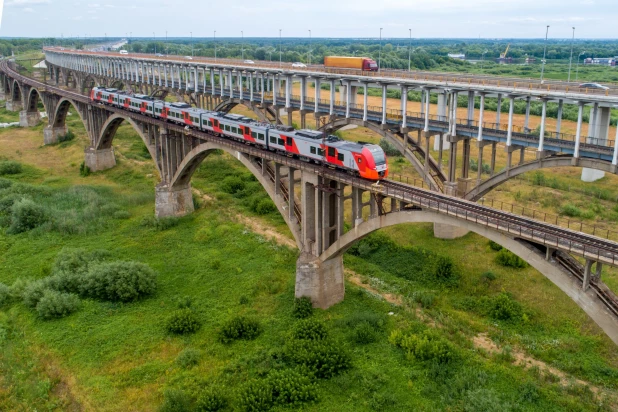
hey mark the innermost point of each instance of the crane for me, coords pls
(503, 55)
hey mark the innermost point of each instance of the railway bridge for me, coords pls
(316, 201)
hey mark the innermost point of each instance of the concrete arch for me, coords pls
(196, 156)
(567, 283)
(227, 106)
(16, 93)
(32, 101)
(551, 162)
(88, 83)
(392, 139)
(110, 128)
(62, 109)
(118, 84)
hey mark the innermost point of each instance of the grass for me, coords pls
(114, 356)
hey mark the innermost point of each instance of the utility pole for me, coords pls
(280, 55)
(410, 51)
(380, 52)
(544, 54)
(571, 58)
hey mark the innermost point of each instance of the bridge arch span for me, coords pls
(88, 83)
(549, 162)
(62, 110)
(227, 106)
(587, 301)
(16, 93)
(195, 157)
(34, 96)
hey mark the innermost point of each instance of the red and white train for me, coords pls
(365, 160)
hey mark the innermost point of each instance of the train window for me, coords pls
(261, 136)
(289, 139)
(331, 151)
(227, 128)
(150, 108)
(273, 139)
(281, 142)
(320, 152)
(340, 157)
(254, 135)
(312, 150)
(234, 130)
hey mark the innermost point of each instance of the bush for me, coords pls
(175, 400)
(26, 215)
(5, 183)
(505, 308)
(265, 206)
(183, 321)
(71, 266)
(211, 400)
(55, 304)
(570, 210)
(34, 291)
(67, 137)
(424, 346)
(290, 387)
(364, 333)
(495, 246)
(256, 396)
(444, 269)
(509, 259)
(188, 358)
(488, 276)
(232, 185)
(324, 357)
(239, 327)
(425, 299)
(310, 329)
(119, 281)
(84, 170)
(389, 148)
(5, 294)
(303, 308)
(9, 167)
(160, 224)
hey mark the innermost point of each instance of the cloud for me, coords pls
(28, 10)
(26, 2)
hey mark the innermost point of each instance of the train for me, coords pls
(342, 62)
(360, 159)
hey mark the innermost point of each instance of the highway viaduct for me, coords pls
(316, 218)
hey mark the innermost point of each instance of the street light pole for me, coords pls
(242, 44)
(577, 71)
(280, 58)
(544, 54)
(309, 52)
(410, 50)
(571, 58)
(380, 52)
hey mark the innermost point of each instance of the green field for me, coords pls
(427, 324)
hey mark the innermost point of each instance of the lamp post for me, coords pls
(577, 71)
(544, 54)
(280, 55)
(410, 51)
(380, 52)
(571, 58)
(309, 51)
(242, 45)
(214, 41)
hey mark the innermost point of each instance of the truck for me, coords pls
(360, 63)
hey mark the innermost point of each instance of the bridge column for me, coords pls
(384, 87)
(404, 111)
(51, 134)
(98, 160)
(527, 119)
(578, 133)
(541, 149)
(499, 108)
(559, 116)
(29, 119)
(600, 136)
(365, 102)
(173, 202)
(587, 273)
(440, 143)
(14, 105)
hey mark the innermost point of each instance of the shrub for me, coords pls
(324, 357)
(505, 308)
(55, 304)
(424, 346)
(256, 396)
(425, 299)
(232, 185)
(444, 269)
(9, 167)
(71, 266)
(310, 329)
(34, 291)
(5, 183)
(84, 170)
(485, 400)
(570, 210)
(160, 224)
(183, 321)
(377, 321)
(265, 206)
(5, 294)
(67, 137)
(26, 215)
(364, 333)
(509, 259)
(188, 358)
(175, 400)
(389, 148)
(290, 387)
(488, 276)
(495, 246)
(211, 400)
(303, 308)
(18, 287)
(239, 327)
(119, 281)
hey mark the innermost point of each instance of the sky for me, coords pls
(325, 18)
